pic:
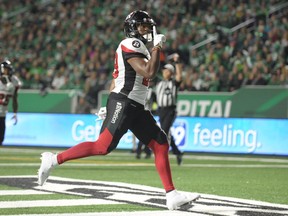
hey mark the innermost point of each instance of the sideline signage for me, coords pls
(247, 102)
(192, 134)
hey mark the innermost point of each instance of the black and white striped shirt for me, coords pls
(166, 93)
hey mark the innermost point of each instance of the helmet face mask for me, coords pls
(6, 68)
(133, 20)
(149, 36)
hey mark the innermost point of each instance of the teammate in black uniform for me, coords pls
(133, 67)
(9, 85)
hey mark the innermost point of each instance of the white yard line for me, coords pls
(54, 203)
(140, 213)
(23, 192)
(208, 205)
(255, 158)
(216, 211)
(244, 158)
(149, 164)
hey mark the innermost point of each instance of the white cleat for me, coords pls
(174, 199)
(46, 167)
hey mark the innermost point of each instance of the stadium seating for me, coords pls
(223, 44)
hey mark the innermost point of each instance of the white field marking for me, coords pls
(114, 154)
(199, 209)
(22, 192)
(53, 203)
(150, 213)
(138, 213)
(228, 211)
(150, 165)
(256, 159)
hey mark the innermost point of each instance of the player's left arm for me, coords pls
(112, 86)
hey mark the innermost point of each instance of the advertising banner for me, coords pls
(247, 102)
(192, 134)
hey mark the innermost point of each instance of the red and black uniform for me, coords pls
(125, 111)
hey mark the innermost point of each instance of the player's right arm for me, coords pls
(146, 68)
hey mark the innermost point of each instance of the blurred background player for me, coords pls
(9, 85)
(166, 94)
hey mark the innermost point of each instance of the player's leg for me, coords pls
(113, 128)
(160, 147)
(115, 125)
(148, 132)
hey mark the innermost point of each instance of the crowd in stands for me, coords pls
(70, 44)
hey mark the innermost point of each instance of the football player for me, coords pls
(9, 85)
(134, 66)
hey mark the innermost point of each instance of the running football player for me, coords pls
(134, 66)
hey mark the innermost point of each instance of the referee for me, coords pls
(166, 95)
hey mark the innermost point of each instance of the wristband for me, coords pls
(156, 48)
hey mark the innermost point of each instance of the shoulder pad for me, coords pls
(133, 45)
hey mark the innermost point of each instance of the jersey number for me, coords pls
(4, 99)
(115, 74)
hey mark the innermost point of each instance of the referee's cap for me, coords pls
(169, 67)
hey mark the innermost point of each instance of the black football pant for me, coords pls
(124, 114)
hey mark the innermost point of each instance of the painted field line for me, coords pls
(23, 192)
(229, 158)
(138, 213)
(150, 164)
(54, 203)
(114, 154)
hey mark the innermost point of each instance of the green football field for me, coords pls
(256, 178)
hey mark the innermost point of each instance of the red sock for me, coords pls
(86, 149)
(162, 164)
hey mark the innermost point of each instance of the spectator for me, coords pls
(42, 42)
(59, 79)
